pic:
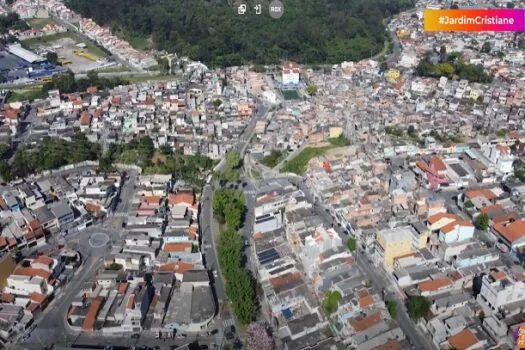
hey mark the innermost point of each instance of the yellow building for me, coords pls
(335, 131)
(393, 243)
(392, 74)
(474, 94)
(403, 33)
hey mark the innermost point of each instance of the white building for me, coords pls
(500, 156)
(499, 289)
(320, 242)
(291, 72)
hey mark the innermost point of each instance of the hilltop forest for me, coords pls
(310, 31)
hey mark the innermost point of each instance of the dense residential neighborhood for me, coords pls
(375, 204)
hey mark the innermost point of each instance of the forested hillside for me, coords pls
(311, 31)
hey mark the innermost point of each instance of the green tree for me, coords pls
(445, 69)
(52, 57)
(486, 47)
(273, 158)
(115, 267)
(5, 171)
(481, 316)
(229, 175)
(339, 141)
(418, 307)
(316, 31)
(392, 309)
(482, 222)
(311, 89)
(510, 5)
(217, 103)
(469, 204)
(229, 204)
(233, 159)
(351, 244)
(411, 131)
(330, 302)
(501, 133)
(4, 149)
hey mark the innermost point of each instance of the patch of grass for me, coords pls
(340, 141)
(46, 40)
(256, 174)
(290, 95)
(40, 23)
(139, 42)
(29, 94)
(298, 164)
(273, 158)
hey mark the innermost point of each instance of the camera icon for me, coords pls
(241, 10)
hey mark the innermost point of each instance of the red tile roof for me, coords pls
(463, 340)
(365, 301)
(360, 324)
(434, 285)
(437, 163)
(38, 298)
(179, 267)
(7, 298)
(152, 199)
(452, 226)
(177, 247)
(178, 198)
(481, 193)
(89, 322)
(29, 271)
(490, 208)
(435, 218)
(511, 231)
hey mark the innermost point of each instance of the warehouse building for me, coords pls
(26, 55)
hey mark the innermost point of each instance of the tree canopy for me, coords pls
(330, 302)
(351, 244)
(66, 82)
(240, 286)
(482, 222)
(392, 309)
(273, 158)
(11, 21)
(211, 31)
(53, 153)
(230, 204)
(418, 307)
(452, 67)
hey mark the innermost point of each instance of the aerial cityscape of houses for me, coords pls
(392, 217)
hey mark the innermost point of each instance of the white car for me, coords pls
(215, 273)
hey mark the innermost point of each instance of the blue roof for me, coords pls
(287, 313)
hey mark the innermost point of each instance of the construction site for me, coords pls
(74, 55)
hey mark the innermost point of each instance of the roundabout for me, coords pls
(98, 240)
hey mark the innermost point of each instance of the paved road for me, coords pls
(207, 225)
